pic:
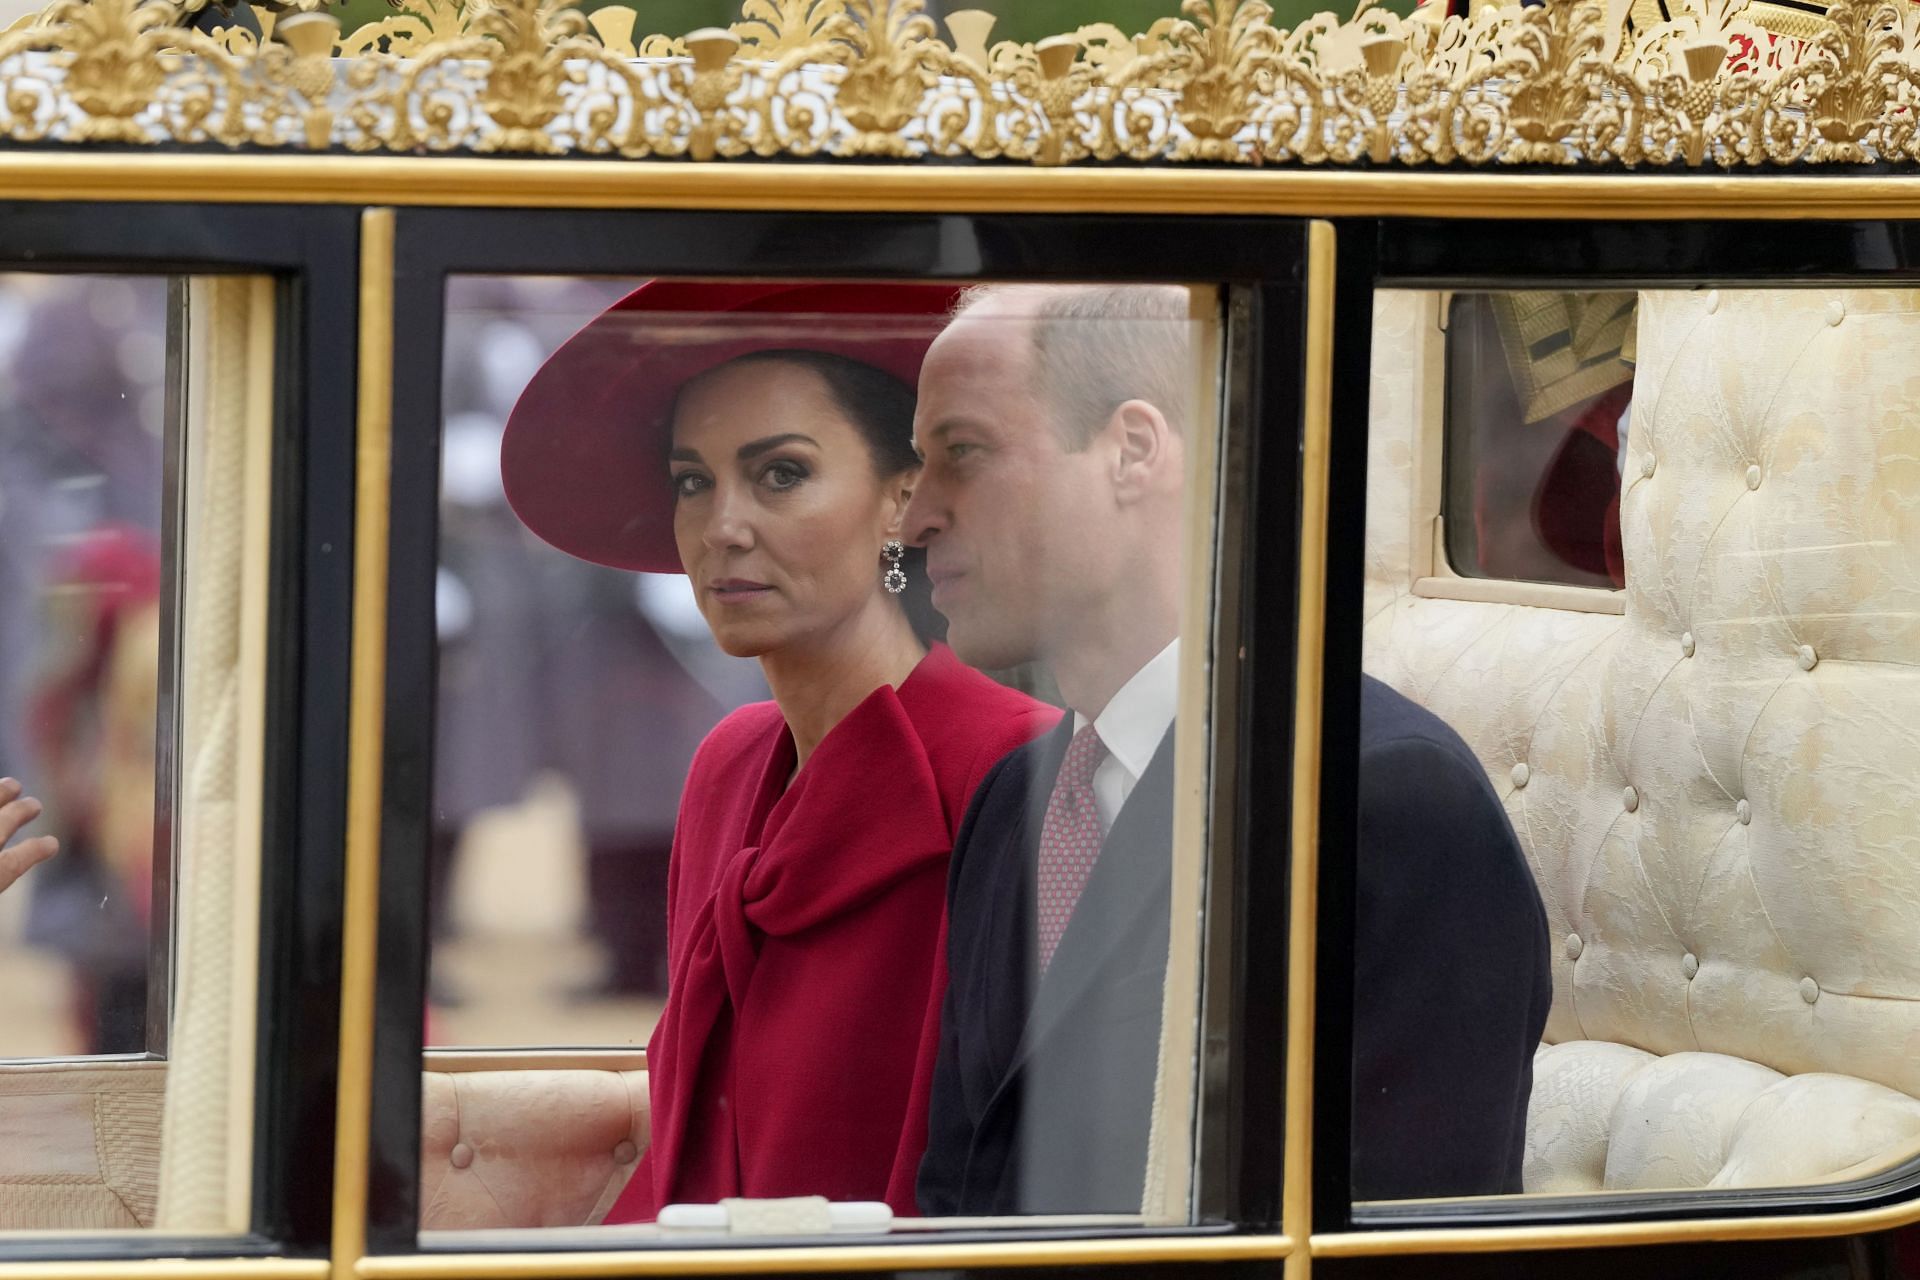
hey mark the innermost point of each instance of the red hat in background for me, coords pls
(584, 457)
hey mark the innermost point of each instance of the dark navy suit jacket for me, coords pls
(1043, 1090)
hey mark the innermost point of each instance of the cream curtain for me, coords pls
(205, 1170)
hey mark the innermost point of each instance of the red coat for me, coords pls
(806, 945)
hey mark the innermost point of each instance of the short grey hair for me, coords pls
(1095, 347)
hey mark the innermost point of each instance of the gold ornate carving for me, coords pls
(772, 28)
(1587, 82)
(890, 55)
(1217, 57)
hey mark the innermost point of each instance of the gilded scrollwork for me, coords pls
(774, 28)
(1556, 84)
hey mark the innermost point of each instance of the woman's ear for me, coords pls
(899, 491)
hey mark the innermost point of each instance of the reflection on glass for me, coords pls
(836, 536)
(82, 435)
(132, 653)
(572, 696)
(1712, 791)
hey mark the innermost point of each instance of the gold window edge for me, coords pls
(1512, 1239)
(168, 1268)
(366, 742)
(1296, 1187)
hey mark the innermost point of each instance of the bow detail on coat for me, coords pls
(819, 856)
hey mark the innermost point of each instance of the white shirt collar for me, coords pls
(1137, 717)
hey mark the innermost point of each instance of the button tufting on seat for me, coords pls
(1689, 965)
(1630, 798)
(461, 1156)
(625, 1153)
(1809, 990)
(1686, 645)
(1836, 311)
(1753, 476)
(1744, 812)
(1574, 946)
(1520, 775)
(1713, 301)
(1807, 658)
(1646, 466)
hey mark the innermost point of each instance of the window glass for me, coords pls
(83, 435)
(1635, 888)
(1539, 389)
(135, 428)
(748, 590)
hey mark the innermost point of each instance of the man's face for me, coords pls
(1010, 517)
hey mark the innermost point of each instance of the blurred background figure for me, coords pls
(571, 698)
(92, 722)
(82, 441)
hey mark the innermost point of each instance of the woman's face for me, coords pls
(778, 514)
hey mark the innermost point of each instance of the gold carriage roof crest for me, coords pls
(1594, 83)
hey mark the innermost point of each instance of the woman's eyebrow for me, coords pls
(683, 455)
(755, 447)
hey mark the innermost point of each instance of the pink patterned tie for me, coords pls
(1069, 839)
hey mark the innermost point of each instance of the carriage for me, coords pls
(1550, 364)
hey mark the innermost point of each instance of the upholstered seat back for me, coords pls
(80, 1145)
(530, 1148)
(1716, 787)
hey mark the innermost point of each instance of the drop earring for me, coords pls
(895, 578)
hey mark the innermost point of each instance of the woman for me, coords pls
(767, 453)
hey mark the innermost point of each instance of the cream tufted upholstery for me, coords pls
(530, 1148)
(1717, 790)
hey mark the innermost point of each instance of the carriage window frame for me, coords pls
(1437, 256)
(1433, 575)
(305, 259)
(1239, 1164)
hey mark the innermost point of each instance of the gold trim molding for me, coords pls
(1572, 82)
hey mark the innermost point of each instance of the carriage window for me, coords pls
(1662, 945)
(133, 445)
(747, 591)
(1538, 392)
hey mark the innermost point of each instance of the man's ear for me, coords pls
(1146, 447)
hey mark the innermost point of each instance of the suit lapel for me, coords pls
(1012, 928)
(1129, 882)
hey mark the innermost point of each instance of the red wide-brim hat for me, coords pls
(584, 457)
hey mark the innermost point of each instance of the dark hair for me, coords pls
(880, 407)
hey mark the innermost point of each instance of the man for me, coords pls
(1052, 424)
(16, 811)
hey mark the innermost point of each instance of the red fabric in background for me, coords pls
(1576, 509)
(806, 945)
